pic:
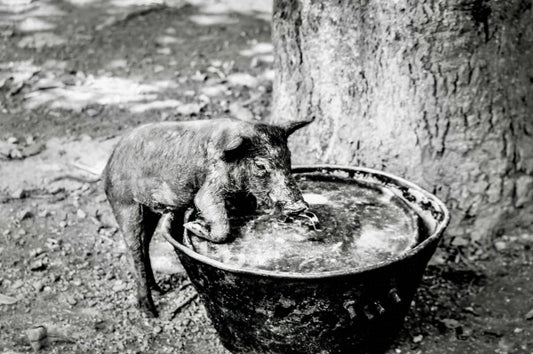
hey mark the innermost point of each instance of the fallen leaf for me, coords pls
(238, 111)
(40, 40)
(190, 109)
(500, 245)
(7, 300)
(418, 338)
(38, 265)
(242, 79)
(199, 77)
(460, 241)
(450, 323)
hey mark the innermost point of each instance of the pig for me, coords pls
(165, 168)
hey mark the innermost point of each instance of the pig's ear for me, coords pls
(232, 145)
(291, 127)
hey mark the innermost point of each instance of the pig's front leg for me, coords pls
(210, 203)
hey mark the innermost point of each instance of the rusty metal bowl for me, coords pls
(354, 311)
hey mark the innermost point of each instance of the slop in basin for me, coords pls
(350, 310)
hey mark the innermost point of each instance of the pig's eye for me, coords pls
(261, 168)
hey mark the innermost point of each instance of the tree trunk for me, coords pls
(439, 92)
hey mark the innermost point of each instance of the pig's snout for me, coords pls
(296, 207)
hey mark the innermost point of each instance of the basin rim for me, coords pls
(433, 238)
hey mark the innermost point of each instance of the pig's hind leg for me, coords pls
(137, 235)
(150, 222)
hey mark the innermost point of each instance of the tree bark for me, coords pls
(439, 92)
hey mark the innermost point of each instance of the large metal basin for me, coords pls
(355, 311)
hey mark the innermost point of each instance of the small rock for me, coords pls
(101, 198)
(99, 325)
(158, 69)
(53, 244)
(36, 334)
(119, 286)
(164, 51)
(418, 338)
(464, 332)
(91, 112)
(460, 241)
(242, 79)
(38, 285)
(529, 315)
(450, 323)
(63, 224)
(500, 245)
(5, 148)
(41, 40)
(240, 112)
(190, 109)
(62, 215)
(7, 300)
(76, 282)
(32, 150)
(16, 154)
(44, 213)
(199, 77)
(36, 252)
(215, 90)
(25, 213)
(71, 300)
(495, 332)
(527, 237)
(81, 214)
(518, 330)
(21, 232)
(471, 310)
(157, 329)
(17, 284)
(261, 60)
(166, 40)
(12, 140)
(38, 265)
(19, 194)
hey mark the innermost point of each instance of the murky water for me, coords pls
(360, 224)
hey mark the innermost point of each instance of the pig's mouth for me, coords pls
(295, 208)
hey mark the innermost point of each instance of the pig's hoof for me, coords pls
(218, 238)
(197, 227)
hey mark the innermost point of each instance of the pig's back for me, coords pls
(165, 161)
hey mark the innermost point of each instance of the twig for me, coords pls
(106, 238)
(86, 168)
(186, 284)
(113, 21)
(184, 303)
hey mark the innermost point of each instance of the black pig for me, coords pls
(163, 168)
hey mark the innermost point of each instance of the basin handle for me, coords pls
(349, 306)
(393, 294)
(369, 315)
(379, 309)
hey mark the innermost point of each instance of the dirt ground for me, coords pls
(74, 74)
